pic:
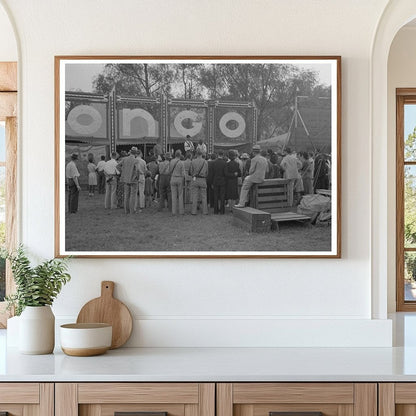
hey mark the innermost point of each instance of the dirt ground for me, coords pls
(95, 229)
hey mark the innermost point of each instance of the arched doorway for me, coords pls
(395, 16)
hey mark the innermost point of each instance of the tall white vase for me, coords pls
(37, 330)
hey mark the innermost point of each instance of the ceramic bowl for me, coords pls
(83, 340)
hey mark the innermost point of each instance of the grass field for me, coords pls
(95, 229)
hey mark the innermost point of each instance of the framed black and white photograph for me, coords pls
(198, 156)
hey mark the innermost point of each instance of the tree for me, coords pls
(149, 80)
(271, 87)
(410, 191)
(189, 76)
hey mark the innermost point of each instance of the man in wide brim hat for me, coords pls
(258, 169)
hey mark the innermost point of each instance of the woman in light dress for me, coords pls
(92, 175)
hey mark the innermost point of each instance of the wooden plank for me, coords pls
(272, 189)
(23, 393)
(405, 91)
(248, 211)
(138, 393)
(365, 403)
(345, 410)
(266, 206)
(66, 399)
(30, 410)
(289, 216)
(340, 393)
(47, 399)
(224, 399)
(8, 76)
(246, 410)
(8, 105)
(276, 209)
(405, 410)
(271, 198)
(91, 410)
(271, 192)
(386, 399)
(207, 399)
(190, 410)
(274, 182)
(405, 393)
(11, 196)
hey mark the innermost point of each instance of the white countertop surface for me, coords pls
(215, 364)
(222, 364)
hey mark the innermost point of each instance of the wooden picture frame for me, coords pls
(118, 104)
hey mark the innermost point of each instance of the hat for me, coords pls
(256, 148)
(134, 149)
(245, 156)
(74, 156)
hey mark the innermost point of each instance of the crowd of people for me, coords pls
(171, 181)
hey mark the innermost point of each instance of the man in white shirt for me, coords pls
(202, 147)
(101, 175)
(189, 145)
(72, 175)
(110, 173)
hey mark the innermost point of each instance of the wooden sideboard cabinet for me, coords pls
(107, 399)
(27, 399)
(332, 399)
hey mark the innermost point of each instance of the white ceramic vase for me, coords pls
(37, 330)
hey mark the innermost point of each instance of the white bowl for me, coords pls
(84, 340)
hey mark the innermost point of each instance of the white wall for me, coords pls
(8, 47)
(401, 74)
(203, 302)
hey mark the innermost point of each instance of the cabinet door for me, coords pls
(297, 399)
(26, 399)
(142, 399)
(397, 399)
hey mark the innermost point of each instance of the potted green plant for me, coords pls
(36, 289)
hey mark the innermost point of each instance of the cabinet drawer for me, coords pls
(147, 399)
(297, 399)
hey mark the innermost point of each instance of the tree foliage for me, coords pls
(147, 80)
(271, 87)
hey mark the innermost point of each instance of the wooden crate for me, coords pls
(272, 195)
(252, 219)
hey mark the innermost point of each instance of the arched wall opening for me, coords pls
(396, 15)
(401, 74)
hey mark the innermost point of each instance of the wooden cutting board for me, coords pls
(107, 309)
